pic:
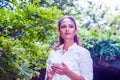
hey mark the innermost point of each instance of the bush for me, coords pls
(104, 45)
(24, 39)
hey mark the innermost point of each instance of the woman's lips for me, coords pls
(67, 33)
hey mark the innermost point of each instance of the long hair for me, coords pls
(76, 39)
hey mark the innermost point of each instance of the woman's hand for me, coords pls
(64, 70)
(61, 69)
(50, 73)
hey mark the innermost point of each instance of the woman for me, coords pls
(69, 61)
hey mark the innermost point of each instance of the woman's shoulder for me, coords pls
(82, 49)
(54, 51)
(84, 53)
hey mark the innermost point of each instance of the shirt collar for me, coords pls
(70, 47)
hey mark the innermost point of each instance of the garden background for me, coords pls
(28, 30)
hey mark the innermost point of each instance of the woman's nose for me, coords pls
(67, 28)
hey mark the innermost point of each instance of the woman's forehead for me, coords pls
(67, 20)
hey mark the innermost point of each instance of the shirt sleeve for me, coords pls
(86, 65)
(48, 63)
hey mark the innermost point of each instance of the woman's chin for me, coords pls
(68, 38)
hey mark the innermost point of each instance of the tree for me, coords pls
(24, 39)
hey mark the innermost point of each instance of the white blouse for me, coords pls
(76, 58)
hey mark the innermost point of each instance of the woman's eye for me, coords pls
(63, 26)
(71, 26)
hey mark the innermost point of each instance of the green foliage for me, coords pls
(67, 6)
(27, 33)
(31, 21)
(24, 39)
(21, 60)
(106, 50)
(86, 12)
(103, 44)
(113, 21)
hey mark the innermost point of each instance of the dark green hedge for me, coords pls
(103, 44)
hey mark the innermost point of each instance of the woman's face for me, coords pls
(67, 29)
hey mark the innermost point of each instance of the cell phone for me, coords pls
(57, 64)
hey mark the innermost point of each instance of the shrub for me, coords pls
(104, 45)
(24, 39)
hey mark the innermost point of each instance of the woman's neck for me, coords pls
(67, 44)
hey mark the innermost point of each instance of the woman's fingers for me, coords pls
(60, 69)
(50, 73)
